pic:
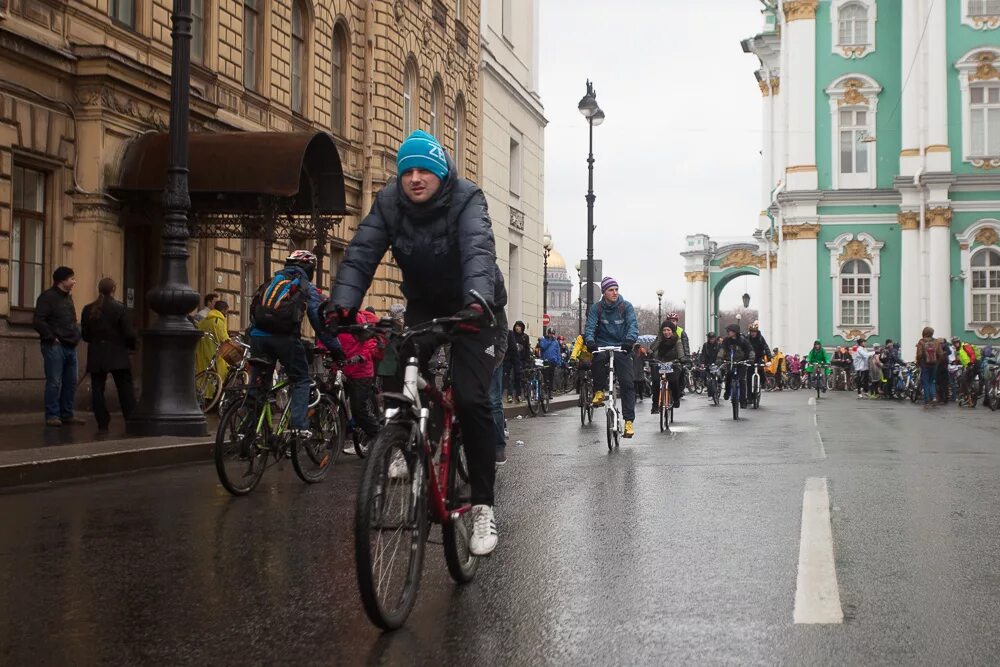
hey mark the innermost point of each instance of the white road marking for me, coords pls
(812, 400)
(817, 594)
(819, 451)
(815, 420)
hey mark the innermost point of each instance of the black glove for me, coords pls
(591, 346)
(336, 316)
(474, 316)
(356, 359)
(627, 348)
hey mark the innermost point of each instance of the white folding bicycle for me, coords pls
(616, 425)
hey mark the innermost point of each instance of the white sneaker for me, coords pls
(484, 531)
(348, 448)
(397, 467)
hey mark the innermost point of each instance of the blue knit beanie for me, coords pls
(422, 151)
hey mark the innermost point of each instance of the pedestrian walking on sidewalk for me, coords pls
(109, 335)
(56, 323)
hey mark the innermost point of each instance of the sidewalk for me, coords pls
(31, 453)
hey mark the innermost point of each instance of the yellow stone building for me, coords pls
(80, 80)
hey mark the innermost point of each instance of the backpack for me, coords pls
(971, 351)
(280, 304)
(931, 353)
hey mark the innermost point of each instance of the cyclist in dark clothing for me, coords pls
(666, 348)
(709, 353)
(761, 352)
(438, 228)
(736, 348)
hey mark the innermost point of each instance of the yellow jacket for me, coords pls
(777, 361)
(580, 351)
(215, 324)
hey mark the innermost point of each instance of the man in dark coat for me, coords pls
(736, 348)
(516, 360)
(439, 230)
(55, 321)
(109, 336)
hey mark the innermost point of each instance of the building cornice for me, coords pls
(531, 103)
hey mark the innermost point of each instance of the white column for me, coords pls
(764, 305)
(799, 84)
(801, 307)
(909, 299)
(936, 60)
(695, 323)
(939, 270)
(767, 152)
(909, 107)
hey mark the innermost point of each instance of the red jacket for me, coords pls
(352, 347)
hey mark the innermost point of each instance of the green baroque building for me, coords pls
(880, 183)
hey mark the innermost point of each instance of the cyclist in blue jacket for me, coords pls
(612, 322)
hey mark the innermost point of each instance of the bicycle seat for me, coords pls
(259, 361)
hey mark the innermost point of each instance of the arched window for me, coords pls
(853, 107)
(339, 82)
(460, 134)
(437, 98)
(980, 107)
(853, 25)
(411, 94)
(986, 286)
(300, 31)
(856, 294)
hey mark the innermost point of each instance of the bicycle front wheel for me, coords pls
(455, 533)
(390, 527)
(240, 450)
(611, 429)
(313, 458)
(208, 389)
(532, 396)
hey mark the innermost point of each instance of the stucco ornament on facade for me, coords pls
(987, 236)
(985, 69)
(908, 220)
(854, 250)
(742, 257)
(853, 94)
(796, 10)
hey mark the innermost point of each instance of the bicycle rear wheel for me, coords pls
(543, 398)
(208, 389)
(462, 565)
(313, 458)
(664, 408)
(240, 451)
(390, 527)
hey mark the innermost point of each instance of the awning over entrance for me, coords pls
(265, 185)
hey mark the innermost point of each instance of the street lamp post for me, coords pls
(579, 299)
(659, 307)
(546, 249)
(168, 405)
(588, 107)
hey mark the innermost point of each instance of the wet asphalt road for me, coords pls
(680, 548)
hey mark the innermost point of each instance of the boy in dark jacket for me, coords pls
(735, 348)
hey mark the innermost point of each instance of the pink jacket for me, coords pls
(352, 347)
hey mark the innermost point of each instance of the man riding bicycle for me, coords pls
(709, 353)
(674, 318)
(439, 230)
(667, 348)
(611, 322)
(735, 348)
(276, 314)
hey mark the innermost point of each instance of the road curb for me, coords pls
(66, 462)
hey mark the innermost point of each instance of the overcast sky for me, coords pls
(679, 151)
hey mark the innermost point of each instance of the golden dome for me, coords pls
(556, 260)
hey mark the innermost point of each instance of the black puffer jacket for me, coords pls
(444, 247)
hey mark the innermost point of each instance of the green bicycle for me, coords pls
(252, 430)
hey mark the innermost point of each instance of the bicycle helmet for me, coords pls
(755, 326)
(673, 316)
(304, 260)
(711, 334)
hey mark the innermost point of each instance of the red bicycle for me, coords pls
(416, 473)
